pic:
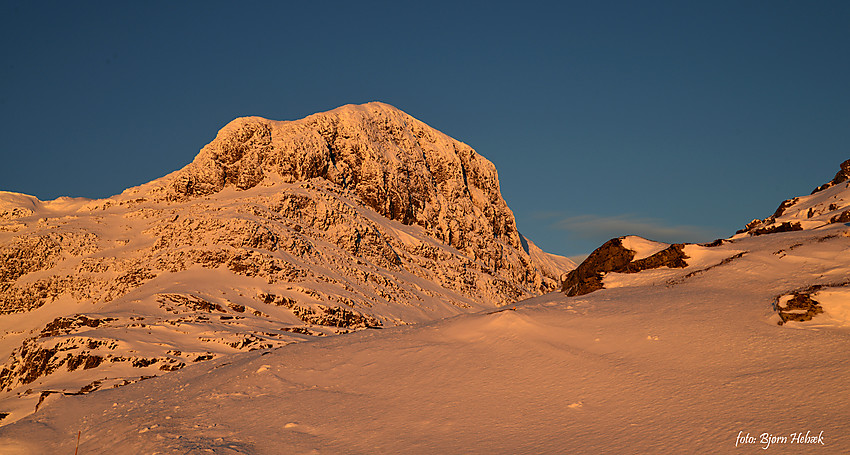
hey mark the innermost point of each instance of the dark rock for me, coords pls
(612, 256)
(65, 325)
(844, 217)
(172, 366)
(236, 307)
(91, 387)
(190, 302)
(587, 277)
(840, 177)
(303, 331)
(799, 301)
(87, 361)
(32, 363)
(143, 362)
(713, 244)
(784, 227)
(785, 205)
(673, 257)
(755, 224)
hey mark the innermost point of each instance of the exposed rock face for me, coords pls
(25, 255)
(840, 177)
(357, 218)
(612, 256)
(395, 164)
(843, 217)
(828, 203)
(587, 277)
(773, 228)
(805, 303)
(799, 307)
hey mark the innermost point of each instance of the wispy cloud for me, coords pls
(596, 227)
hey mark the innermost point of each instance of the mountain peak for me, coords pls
(397, 165)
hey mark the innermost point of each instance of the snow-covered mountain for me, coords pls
(358, 218)
(739, 345)
(824, 216)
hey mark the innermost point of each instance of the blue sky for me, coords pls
(679, 121)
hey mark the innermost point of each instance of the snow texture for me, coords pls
(680, 361)
(642, 247)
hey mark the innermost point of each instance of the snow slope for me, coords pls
(681, 360)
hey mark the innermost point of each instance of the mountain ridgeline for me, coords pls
(818, 218)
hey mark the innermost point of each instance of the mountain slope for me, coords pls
(823, 215)
(358, 218)
(828, 203)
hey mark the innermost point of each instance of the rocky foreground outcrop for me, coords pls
(354, 219)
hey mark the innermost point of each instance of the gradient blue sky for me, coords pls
(679, 121)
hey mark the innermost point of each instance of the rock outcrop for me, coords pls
(798, 307)
(840, 177)
(804, 304)
(613, 256)
(827, 204)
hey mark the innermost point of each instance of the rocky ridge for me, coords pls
(355, 219)
(829, 203)
(825, 213)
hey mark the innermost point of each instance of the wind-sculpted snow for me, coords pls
(355, 219)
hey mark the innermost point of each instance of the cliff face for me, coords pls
(395, 164)
(382, 158)
(362, 217)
